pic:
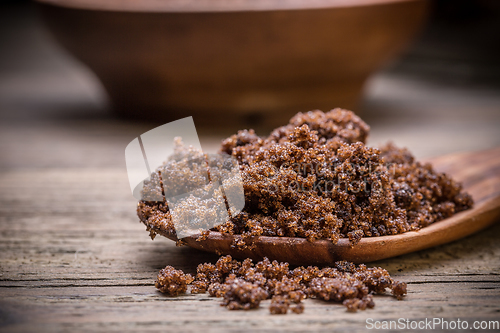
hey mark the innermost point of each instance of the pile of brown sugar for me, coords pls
(315, 178)
(243, 284)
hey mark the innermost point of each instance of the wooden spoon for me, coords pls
(479, 173)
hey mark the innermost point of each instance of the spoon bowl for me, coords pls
(479, 172)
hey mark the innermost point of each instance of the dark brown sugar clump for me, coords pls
(243, 285)
(315, 178)
(172, 282)
(241, 294)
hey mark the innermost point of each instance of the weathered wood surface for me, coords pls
(74, 256)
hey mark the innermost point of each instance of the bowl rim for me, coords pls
(195, 6)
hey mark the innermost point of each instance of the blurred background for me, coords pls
(434, 86)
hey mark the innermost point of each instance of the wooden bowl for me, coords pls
(229, 60)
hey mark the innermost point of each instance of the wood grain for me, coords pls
(75, 257)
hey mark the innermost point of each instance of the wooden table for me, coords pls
(74, 257)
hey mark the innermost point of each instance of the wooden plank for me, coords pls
(75, 257)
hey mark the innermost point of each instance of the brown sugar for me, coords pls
(279, 305)
(399, 289)
(354, 304)
(337, 289)
(243, 285)
(315, 178)
(240, 294)
(298, 309)
(172, 282)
